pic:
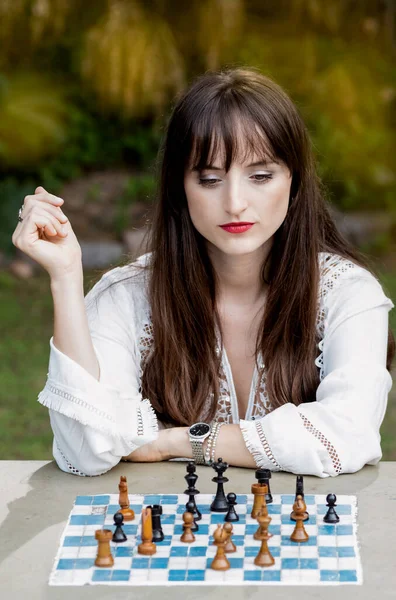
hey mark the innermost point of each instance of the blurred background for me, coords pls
(85, 92)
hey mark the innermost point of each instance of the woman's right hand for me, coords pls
(45, 234)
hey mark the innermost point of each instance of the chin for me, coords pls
(237, 248)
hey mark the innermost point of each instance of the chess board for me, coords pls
(331, 555)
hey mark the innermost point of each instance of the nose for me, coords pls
(234, 199)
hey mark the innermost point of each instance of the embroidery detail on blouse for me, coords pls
(332, 267)
(79, 401)
(140, 429)
(223, 414)
(322, 438)
(266, 446)
(70, 466)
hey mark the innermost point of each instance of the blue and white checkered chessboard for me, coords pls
(331, 556)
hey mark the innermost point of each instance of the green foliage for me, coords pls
(12, 194)
(139, 188)
(33, 113)
(97, 142)
(93, 142)
(345, 102)
(121, 58)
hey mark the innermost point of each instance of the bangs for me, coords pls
(228, 128)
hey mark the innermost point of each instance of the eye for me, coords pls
(263, 179)
(207, 182)
(259, 178)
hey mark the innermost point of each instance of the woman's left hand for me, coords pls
(170, 443)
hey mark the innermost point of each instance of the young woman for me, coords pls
(267, 344)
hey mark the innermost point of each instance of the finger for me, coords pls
(51, 225)
(56, 212)
(37, 222)
(43, 197)
(54, 228)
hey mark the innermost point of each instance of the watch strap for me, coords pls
(197, 450)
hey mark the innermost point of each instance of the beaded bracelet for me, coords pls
(210, 441)
(212, 458)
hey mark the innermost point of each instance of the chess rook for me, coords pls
(259, 492)
(104, 557)
(156, 512)
(263, 476)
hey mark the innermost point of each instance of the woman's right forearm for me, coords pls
(71, 331)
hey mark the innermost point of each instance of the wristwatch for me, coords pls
(197, 434)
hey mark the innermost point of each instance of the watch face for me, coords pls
(199, 429)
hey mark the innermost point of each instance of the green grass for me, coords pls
(26, 315)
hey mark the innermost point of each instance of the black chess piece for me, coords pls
(300, 486)
(156, 512)
(190, 508)
(231, 515)
(119, 535)
(299, 492)
(263, 476)
(191, 479)
(331, 515)
(219, 503)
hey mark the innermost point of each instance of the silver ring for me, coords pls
(20, 213)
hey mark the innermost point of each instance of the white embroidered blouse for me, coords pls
(96, 423)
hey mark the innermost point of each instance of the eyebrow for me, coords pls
(254, 164)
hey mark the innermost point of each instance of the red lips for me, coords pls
(236, 224)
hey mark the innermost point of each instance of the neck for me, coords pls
(239, 278)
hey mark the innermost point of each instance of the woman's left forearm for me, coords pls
(230, 446)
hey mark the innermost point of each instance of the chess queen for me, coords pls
(250, 328)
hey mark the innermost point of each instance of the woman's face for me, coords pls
(254, 193)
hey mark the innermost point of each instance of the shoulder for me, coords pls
(347, 288)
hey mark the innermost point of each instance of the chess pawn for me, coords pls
(123, 500)
(259, 491)
(104, 557)
(190, 507)
(220, 561)
(147, 547)
(187, 536)
(231, 516)
(299, 534)
(119, 534)
(229, 545)
(264, 557)
(331, 515)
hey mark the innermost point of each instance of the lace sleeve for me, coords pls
(96, 422)
(339, 433)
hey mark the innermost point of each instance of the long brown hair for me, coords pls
(183, 367)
